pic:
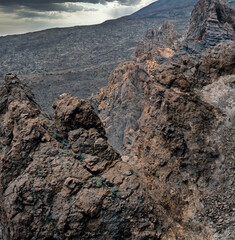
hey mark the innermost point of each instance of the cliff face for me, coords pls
(183, 142)
(185, 145)
(122, 102)
(212, 21)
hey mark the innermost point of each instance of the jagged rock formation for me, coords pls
(162, 57)
(61, 179)
(183, 143)
(159, 43)
(122, 103)
(212, 21)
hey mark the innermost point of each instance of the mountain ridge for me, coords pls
(164, 5)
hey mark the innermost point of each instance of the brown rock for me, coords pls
(182, 147)
(53, 190)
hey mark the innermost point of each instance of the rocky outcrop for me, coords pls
(212, 22)
(23, 126)
(159, 44)
(183, 150)
(60, 179)
(121, 103)
(172, 118)
(170, 61)
(183, 146)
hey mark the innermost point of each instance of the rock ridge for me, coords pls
(182, 143)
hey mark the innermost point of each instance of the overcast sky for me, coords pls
(20, 16)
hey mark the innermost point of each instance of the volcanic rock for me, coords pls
(60, 179)
(122, 103)
(171, 117)
(212, 22)
(157, 43)
(183, 143)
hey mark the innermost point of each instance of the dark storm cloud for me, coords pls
(47, 14)
(57, 5)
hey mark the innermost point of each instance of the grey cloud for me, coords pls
(58, 5)
(20, 16)
(47, 14)
(24, 14)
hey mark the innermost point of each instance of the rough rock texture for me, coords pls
(62, 180)
(121, 103)
(168, 60)
(212, 21)
(183, 149)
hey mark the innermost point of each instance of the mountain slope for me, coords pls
(79, 60)
(172, 6)
(163, 6)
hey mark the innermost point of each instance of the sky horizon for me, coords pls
(22, 16)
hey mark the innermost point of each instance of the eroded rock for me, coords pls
(57, 180)
(183, 145)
